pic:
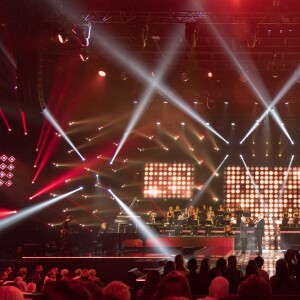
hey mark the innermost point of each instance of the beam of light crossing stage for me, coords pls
(259, 89)
(285, 178)
(141, 74)
(8, 55)
(141, 224)
(284, 90)
(33, 209)
(52, 121)
(208, 181)
(103, 42)
(147, 94)
(251, 178)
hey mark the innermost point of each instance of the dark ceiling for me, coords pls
(263, 37)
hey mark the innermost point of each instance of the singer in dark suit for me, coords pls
(243, 234)
(259, 229)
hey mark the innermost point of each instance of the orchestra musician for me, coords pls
(152, 216)
(296, 220)
(177, 213)
(209, 222)
(170, 215)
(185, 214)
(228, 225)
(285, 219)
(210, 213)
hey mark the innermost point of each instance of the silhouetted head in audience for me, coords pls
(213, 273)
(192, 265)
(222, 265)
(219, 287)
(251, 268)
(10, 293)
(169, 267)
(282, 270)
(254, 288)
(173, 284)
(66, 290)
(204, 266)
(259, 261)
(116, 290)
(152, 282)
(232, 262)
(179, 262)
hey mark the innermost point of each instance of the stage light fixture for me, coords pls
(102, 73)
(84, 54)
(184, 76)
(191, 34)
(123, 76)
(62, 37)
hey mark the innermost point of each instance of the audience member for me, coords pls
(213, 273)
(9, 271)
(84, 274)
(221, 264)
(64, 274)
(92, 277)
(173, 284)
(218, 289)
(116, 290)
(180, 264)
(233, 275)
(282, 283)
(34, 284)
(77, 274)
(151, 284)
(3, 277)
(251, 268)
(20, 284)
(289, 257)
(66, 290)
(254, 288)
(193, 276)
(204, 280)
(10, 293)
(169, 267)
(260, 272)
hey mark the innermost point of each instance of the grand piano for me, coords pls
(126, 224)
(127, 230)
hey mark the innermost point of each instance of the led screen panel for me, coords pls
(168, 180)
(269, 190)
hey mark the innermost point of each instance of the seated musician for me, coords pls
(285, 220)
(185, 214)
(209, 222)
(210, 212)
(221, 208)
(152, 216)
(170, 215)
(227, 225)
(177, 213)
(296, 220)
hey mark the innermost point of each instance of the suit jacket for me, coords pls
(259, 228)
(244, 229)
